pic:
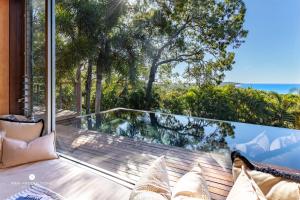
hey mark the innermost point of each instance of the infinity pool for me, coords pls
(278, 146)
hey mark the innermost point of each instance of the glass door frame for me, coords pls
(51, 67)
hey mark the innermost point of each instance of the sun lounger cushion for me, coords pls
(191, 186)
(245, 188)
(274, 184)
(22, 130)
(17, 152)
(153, 184)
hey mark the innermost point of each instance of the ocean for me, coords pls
(279, 88)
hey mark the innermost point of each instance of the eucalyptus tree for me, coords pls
(209, 72)
(89, 17)
(198, 33)
(75, 41)
(88, 86)
(127, 53)
(97, 33)
(112, 11)
(85, 33)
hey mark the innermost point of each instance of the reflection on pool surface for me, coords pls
(278, 146)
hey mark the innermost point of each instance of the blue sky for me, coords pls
(271, 53)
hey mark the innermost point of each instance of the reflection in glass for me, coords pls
(278, 146)
(35, 70)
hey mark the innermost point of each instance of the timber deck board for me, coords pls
(129, 158)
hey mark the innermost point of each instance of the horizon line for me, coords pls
(261, 83)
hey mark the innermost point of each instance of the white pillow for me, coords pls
(245, 188)
(192, 186)
(153, 184)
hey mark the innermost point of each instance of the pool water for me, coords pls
(278, 146)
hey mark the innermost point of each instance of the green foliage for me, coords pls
(172, 101)
(215, 102)
(133, 48)
(234, 104)
(115, 94)
(134, 38)
(198, 33)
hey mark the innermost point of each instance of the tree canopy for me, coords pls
(122, 53)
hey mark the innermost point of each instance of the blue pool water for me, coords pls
(279, 88)
(278, 146)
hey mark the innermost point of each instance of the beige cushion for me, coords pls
(245, 188)
(191, 186)
(154, 183)
(25, 131)
(274, 188)
(17, 152)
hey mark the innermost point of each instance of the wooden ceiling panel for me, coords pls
(4, 56)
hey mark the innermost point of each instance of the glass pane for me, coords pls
(35, 70)
(174, 76)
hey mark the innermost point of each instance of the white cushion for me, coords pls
(192, 186)
(154, 183)
(245, 188)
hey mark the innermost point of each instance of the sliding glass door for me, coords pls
(39, 80)
(35, 71)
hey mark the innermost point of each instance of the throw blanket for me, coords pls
(36, 192)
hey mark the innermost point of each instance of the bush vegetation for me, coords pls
(120, 53)
(210, 101)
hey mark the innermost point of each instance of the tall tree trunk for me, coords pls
(99, 75)
(88, 86)
(103, 65)
(155, 64)
(98, 97)
(78, 91)
(151, 80)
(98, 89)
(153, 119)
(60, 97)
(90, 122)
(132, 67)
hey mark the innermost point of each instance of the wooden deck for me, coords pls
(129, 158)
